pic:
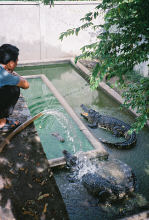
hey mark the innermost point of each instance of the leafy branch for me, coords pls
(122, 42)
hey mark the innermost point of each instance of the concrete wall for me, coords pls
(35, 28)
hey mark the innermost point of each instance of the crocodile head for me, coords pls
(71, 160)
(89, 114)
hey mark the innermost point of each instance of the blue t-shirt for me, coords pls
(7, 78)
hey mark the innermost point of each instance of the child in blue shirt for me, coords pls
(10, 84)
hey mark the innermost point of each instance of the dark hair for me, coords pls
(8, 53)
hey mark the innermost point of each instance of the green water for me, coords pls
(39, 98)
(76, 91)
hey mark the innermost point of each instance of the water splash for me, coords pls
(57, 120)
(115, 171)
(83, 166)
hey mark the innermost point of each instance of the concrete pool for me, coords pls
(43, 96)
(76, 91)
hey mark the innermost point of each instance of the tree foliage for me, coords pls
(122, 43)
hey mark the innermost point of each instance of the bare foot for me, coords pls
(2, 122)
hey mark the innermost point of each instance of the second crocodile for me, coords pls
(118, 127)
(93, 178)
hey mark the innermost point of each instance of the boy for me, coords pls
(10, 84)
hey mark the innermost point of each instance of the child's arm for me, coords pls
(23, 82)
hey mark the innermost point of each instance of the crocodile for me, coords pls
(116, 126)
(58, 136)
(105, 188)
(102, 187)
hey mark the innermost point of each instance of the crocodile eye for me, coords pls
(90, 111)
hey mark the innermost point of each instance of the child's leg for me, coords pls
(8, 98)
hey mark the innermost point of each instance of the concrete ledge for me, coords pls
(92, 154)
(44, 62)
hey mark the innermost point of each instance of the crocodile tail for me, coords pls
(124, 144)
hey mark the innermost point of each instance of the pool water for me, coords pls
(56, 120)
(77, 91)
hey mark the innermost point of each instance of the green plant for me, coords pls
(122, 43)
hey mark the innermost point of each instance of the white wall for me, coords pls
(35, 28)
(20, 25)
